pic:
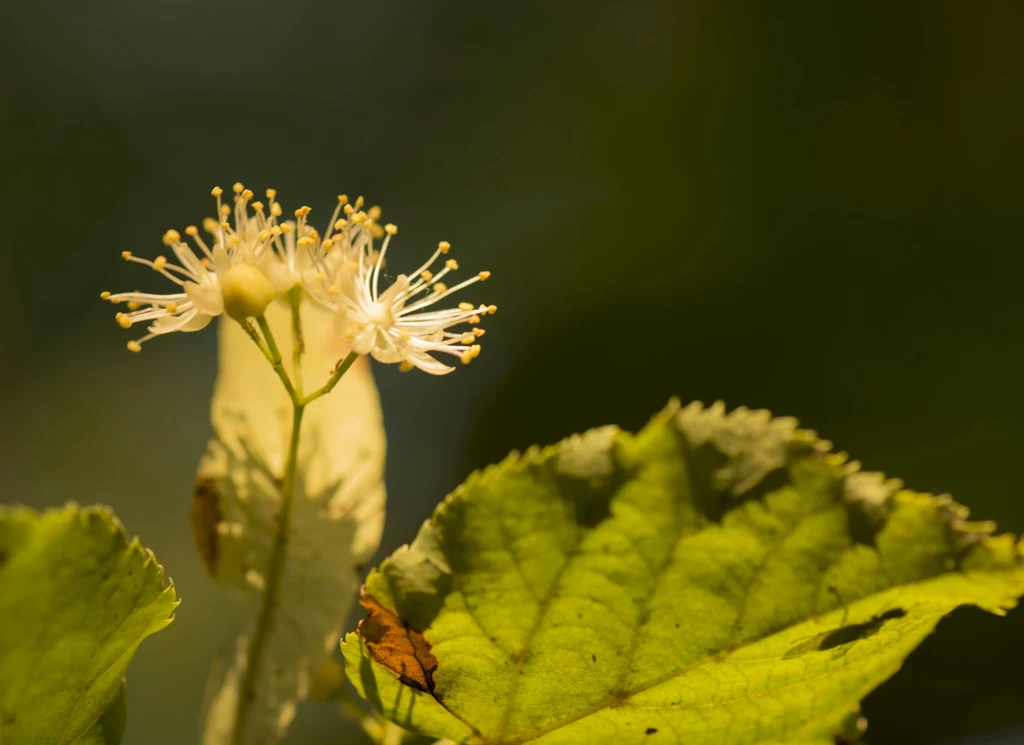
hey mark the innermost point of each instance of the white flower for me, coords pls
(394, 325)
(239, 273)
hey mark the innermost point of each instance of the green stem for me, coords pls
(275, 358)
(298, 342)
(279, 548)
(339, 370)
(248, 328)
(275, 570)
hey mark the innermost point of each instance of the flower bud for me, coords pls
(246, 291)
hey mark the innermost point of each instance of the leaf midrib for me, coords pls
(679, 535)
(675, 674)
(626, 695)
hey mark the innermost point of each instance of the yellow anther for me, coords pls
(105, 295)
(126, 255)
(159, 262)
(327, 245)
(192, 230)
(340, 225)
(452, 264)
(247, 194)
(391, 228)
(376, 230)
(351, 266)
(275, 209)
(321, 276)
(276, 230)
(427, 275)
(474, 320)
(271, 194)
(466, 357)
(265, 235)
(210, 225)
(123, 321)
(492, 309)
(484, 275)
(225, 210)
(440, 287)
(302, 211)
(171, 237)
(287, 227)
(226, 225)
(359, 202)
(443, 246)
(172, 307)
(134, 305)
(216, 191)
(468, 339)
(305, 242)
(358, 217)
(479, 332)
(350, 334)
(134, 346)
(374, 212)
(348, 209)
(258, 206)
(475, 349)
(334, 290)
(405, 366)
(238, 187)
(233, 240)
(404, 335)
(115, 300)
(466, 306)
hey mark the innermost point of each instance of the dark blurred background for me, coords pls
(810, 207)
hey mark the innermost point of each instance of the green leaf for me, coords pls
(109, 728)
(76, 600)
(715, 578)
(336, 522)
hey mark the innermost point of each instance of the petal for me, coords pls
(280, 276)
(221, 260)
(207, 297)
(428, 364)
(201, 321)
(167, 324)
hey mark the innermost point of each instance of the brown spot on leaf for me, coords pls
(204, 516)
(397, 646)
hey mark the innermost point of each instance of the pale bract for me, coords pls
(336, 520)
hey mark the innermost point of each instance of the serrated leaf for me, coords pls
(713, 579)
(76, 600)
(337, 517)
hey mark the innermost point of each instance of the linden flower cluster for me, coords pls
(242, 267)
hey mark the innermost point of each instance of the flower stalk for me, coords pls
(279, 549)
(253, 257)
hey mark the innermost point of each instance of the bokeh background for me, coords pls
(810, 207)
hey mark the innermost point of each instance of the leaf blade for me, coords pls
(77, 599)
(639, 575)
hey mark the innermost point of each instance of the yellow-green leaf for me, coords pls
(76, 600)
(716, 578)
